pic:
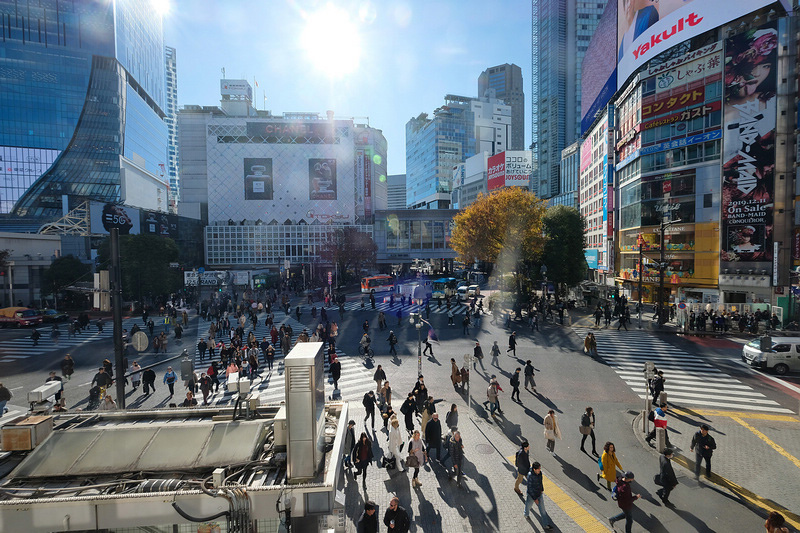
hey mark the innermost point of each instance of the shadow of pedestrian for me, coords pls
(545, 400)
(577, 475)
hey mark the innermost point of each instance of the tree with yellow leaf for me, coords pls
(504, 227)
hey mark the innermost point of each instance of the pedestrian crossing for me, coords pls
(389, 309)
(355, 379)
(690, 381)
(21, 348)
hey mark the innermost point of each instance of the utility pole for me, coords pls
(641, 273)
(116, 301)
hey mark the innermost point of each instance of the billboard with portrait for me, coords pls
(103, 217)
(322, 179)
(645, 28)
(748, 151)
(257, 178)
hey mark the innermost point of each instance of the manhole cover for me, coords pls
(484, 449)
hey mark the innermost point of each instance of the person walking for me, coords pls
(512, 343)
(495, 354)
(451, 418)
(67, 367)
(536, 495)
(428, 347)
(362, 456)
(433, 436)
(590, 345)
(35, 336)
(609, 464)
(477, 356)
(5, 397)
(392, 339)
(450, 321)
(624, 317)
(169, 379)
(395, 442)
(368, 521)
(455, 373)
(416, 457)
(666, 477)
(369, 403)
(551, 431)
(515, 384)
(335, 368)
(703, 446)
(492, 396)
(455, 447)
(396, 518)
(379, 377)
(349, 443)
(385, 395)
(523, 464)
(465, 324)
(625, 499)
(148, 381)
(408, 409)
(136, 375)
(659, 419)
(587, 430)
(775, 523)
(529, 376)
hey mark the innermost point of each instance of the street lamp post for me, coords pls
(661, 266)
(641, 273)
(416, 319)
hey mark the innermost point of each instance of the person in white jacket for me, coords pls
(395, 440)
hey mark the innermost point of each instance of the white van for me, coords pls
(783, 356)
(461, 293)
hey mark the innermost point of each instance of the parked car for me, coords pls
(19, 317)
(52, 315)
(779, 354)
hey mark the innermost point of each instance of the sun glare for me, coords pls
(331, 41)
(161, 7)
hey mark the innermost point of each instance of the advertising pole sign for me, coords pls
(518, 168)
(748, 152)
(496, 172)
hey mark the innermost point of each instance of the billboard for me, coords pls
(19, 168)
(235, 88)
(496, 177)
(688, 72)
(155, 223)
(367, 185)
(322, 179)
(748, 150)
(683, 116)
(674, 102)
(257, 178)
(103, 217)
(319, 132)
(645, 28)
(599, 70)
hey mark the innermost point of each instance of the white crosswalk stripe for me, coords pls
(389, 309)
(355, 380)
(22, 348)
(690, 381)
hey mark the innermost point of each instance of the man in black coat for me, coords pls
(369, 403)
(368, 522)
(335, 368)
(148, 380)
(433, 436)
(703, 446)
(668, 479)
(396, 518)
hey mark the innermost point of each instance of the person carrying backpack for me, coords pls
(625, 497)
(515, 384)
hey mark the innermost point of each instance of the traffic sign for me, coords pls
(139, 341)
(330, 278)
(682, 306)
(201, 270)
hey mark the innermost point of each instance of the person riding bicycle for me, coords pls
(365, 343)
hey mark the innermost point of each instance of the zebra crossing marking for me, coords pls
(690, 381)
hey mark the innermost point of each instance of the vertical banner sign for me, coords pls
(775, 251)
(496, 172)
(359, 183)
(367, 185)
(748, 154)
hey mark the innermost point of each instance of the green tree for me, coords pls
(565, 229)
(64, 272)
(4, 255)
(145, 266)
(349, 250)
(504, 228)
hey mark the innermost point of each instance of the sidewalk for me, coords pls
(757, 457)
(485, 503)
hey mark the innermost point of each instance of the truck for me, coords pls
(19, 317)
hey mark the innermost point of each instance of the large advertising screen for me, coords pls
(322, 179)
(104, 217)
(156, 223)
(646, 28)
(748, 152)
(599, 70)
(257, 178)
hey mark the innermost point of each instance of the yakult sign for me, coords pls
(510, 169)
(646, 28)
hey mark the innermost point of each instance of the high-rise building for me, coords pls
(172, 125)
(396, 191)
(459, 129)
(562, 30)
(569, 177)
(506, 81)
(82, 105)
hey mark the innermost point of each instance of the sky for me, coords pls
(388, 60)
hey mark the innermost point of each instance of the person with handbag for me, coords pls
(416, 457)
(587, 430)
(362, 457)
(396, 443)
(551, 431)
(608, 464)
(665, 477)
(455, 373)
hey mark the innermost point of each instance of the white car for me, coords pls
(461, 293)
(473, 290)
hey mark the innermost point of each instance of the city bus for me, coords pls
(379, 283)
(444, 287)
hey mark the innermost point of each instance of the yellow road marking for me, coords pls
(574, 510)
(754, 499)
(737, 414)
(769, 441)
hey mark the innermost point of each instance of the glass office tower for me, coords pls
(83, 84)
